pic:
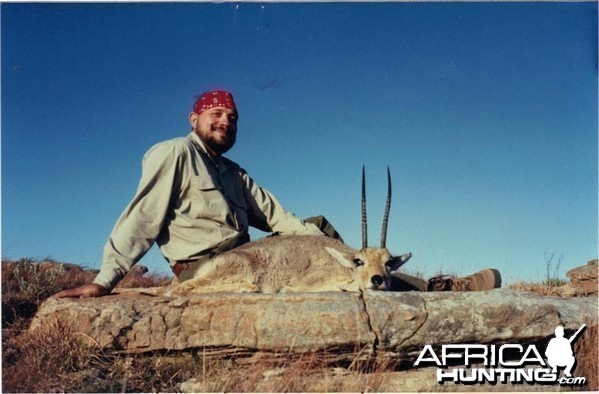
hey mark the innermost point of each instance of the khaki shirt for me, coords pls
(188, 204)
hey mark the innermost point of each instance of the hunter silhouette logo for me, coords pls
(559, 351)
(506, 363)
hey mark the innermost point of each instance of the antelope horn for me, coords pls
(364, 222)
(387, 209)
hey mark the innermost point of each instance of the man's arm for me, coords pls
(267, 213)
(140, 224)
(85, 291)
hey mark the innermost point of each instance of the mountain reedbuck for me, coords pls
(300, 264)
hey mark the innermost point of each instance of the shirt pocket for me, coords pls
(207, 199)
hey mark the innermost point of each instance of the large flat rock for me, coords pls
(340, 324)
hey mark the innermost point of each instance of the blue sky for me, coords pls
(485, 112)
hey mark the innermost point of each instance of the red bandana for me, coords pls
(216, 98)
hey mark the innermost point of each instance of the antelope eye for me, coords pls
(389, 265)
(358, 262)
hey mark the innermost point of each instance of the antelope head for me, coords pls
(373, 266)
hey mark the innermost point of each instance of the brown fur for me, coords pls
(288, 264)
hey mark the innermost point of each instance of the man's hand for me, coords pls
(85, 291)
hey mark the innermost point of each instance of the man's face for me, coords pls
(216, 127)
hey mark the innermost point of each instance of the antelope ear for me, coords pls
(343, 258)
(398, 261)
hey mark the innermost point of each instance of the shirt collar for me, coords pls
(194, 137)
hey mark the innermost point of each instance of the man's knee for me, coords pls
(325, 226)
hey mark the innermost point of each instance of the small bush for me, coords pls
(552, 269)
(26, 284)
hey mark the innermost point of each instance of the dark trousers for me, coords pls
(325, 226)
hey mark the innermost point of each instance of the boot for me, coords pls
(487, 279)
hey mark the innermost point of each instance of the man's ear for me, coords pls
(343, 258)
(398, 261)
(193, 118)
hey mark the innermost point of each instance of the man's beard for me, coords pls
(220, 147)
(217, 146)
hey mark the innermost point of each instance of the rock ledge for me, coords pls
(384, 324)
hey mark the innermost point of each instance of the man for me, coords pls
(195, 204)
(192, 202)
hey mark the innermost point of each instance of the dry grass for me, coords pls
(45, 359)
(57, 359)
(53, 358)
(586, 348)
(310, 372)
(546, 289)
(26, 284)
(587, 357)
(134, 280)
(33, 281)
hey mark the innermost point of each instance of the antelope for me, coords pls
(289, 263)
